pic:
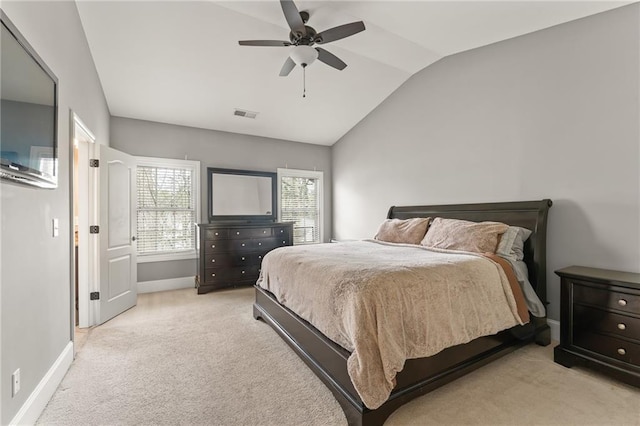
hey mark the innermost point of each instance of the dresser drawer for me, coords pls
(258, 244)
(240, 233)
(227, 259)
(216, 246)
(611, 347)
(586, 318)
(281, 231)
(231, 274)
(605, 298)
(215, 234)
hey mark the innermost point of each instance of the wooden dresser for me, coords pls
(230, 255)
(600, 322)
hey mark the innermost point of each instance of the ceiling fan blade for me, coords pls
(264, 43)
(292, 15)
(342, 31)
(330, 59)
(287, 67)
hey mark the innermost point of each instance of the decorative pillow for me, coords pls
(511, 245)
(408, 231)
(456, 234)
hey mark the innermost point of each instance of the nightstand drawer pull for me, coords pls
(217, 234)
(213, 275)
(259, 244)
(213, 246)
(622, 326)
(213, 261)
(242, 244)
(622, 302)
(238, 233)
(621, 351)
(618, 349)
(243, 258)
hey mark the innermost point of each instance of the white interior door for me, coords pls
(117, 246)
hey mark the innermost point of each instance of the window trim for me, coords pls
(313, 174)
(174, 163)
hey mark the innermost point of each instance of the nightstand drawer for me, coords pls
(611, 347)
(585, 318)
(606, 298)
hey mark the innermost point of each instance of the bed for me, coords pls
(329, 361)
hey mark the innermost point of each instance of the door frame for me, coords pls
(86, 200)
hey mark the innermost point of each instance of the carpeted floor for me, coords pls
(180, 358)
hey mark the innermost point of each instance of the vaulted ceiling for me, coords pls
(179, 62)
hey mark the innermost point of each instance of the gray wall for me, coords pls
(215, 149)
(553, 114)
(35, 267)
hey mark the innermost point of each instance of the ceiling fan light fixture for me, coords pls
(304, 55)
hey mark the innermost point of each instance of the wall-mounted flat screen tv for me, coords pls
(28, 113)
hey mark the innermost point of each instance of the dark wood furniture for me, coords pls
(230, 254)
(600, 322)
(419, 376)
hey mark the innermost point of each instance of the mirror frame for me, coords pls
(242, 218)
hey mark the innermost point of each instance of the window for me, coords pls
(300, 195)
(168, 208)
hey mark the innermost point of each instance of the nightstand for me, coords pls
(600, 322)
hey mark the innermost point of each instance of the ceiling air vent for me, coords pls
(245, 113)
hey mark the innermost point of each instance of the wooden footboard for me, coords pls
(419, 376)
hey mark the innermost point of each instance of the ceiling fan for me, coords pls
(304, 37)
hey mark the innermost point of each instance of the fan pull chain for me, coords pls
(304, 82)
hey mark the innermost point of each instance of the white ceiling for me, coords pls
(180, 63)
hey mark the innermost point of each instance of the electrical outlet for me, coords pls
(15, 382)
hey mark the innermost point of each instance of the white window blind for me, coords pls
(301, 202)
(167, 207)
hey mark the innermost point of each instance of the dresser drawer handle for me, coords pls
(621, 351)
(213, 261)
(281, 231)
(213, 275)
(243, 272)
(259, 244)
(259, 257)
(243, 258)
(213, 246)
(284, 242)
(622, 302)
(238, 233)
(622, 326)
(217, 234)
(264, 232)
(242, 244)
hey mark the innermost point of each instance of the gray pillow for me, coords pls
(511, 245)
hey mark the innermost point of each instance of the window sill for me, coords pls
(166, 257)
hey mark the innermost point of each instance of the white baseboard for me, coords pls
(555, 329)
(37, 401)
(164, 285)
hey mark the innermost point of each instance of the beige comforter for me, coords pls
(386, 303)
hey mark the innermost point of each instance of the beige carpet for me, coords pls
(180, 358)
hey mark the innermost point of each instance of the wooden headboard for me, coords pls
(527, 214)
